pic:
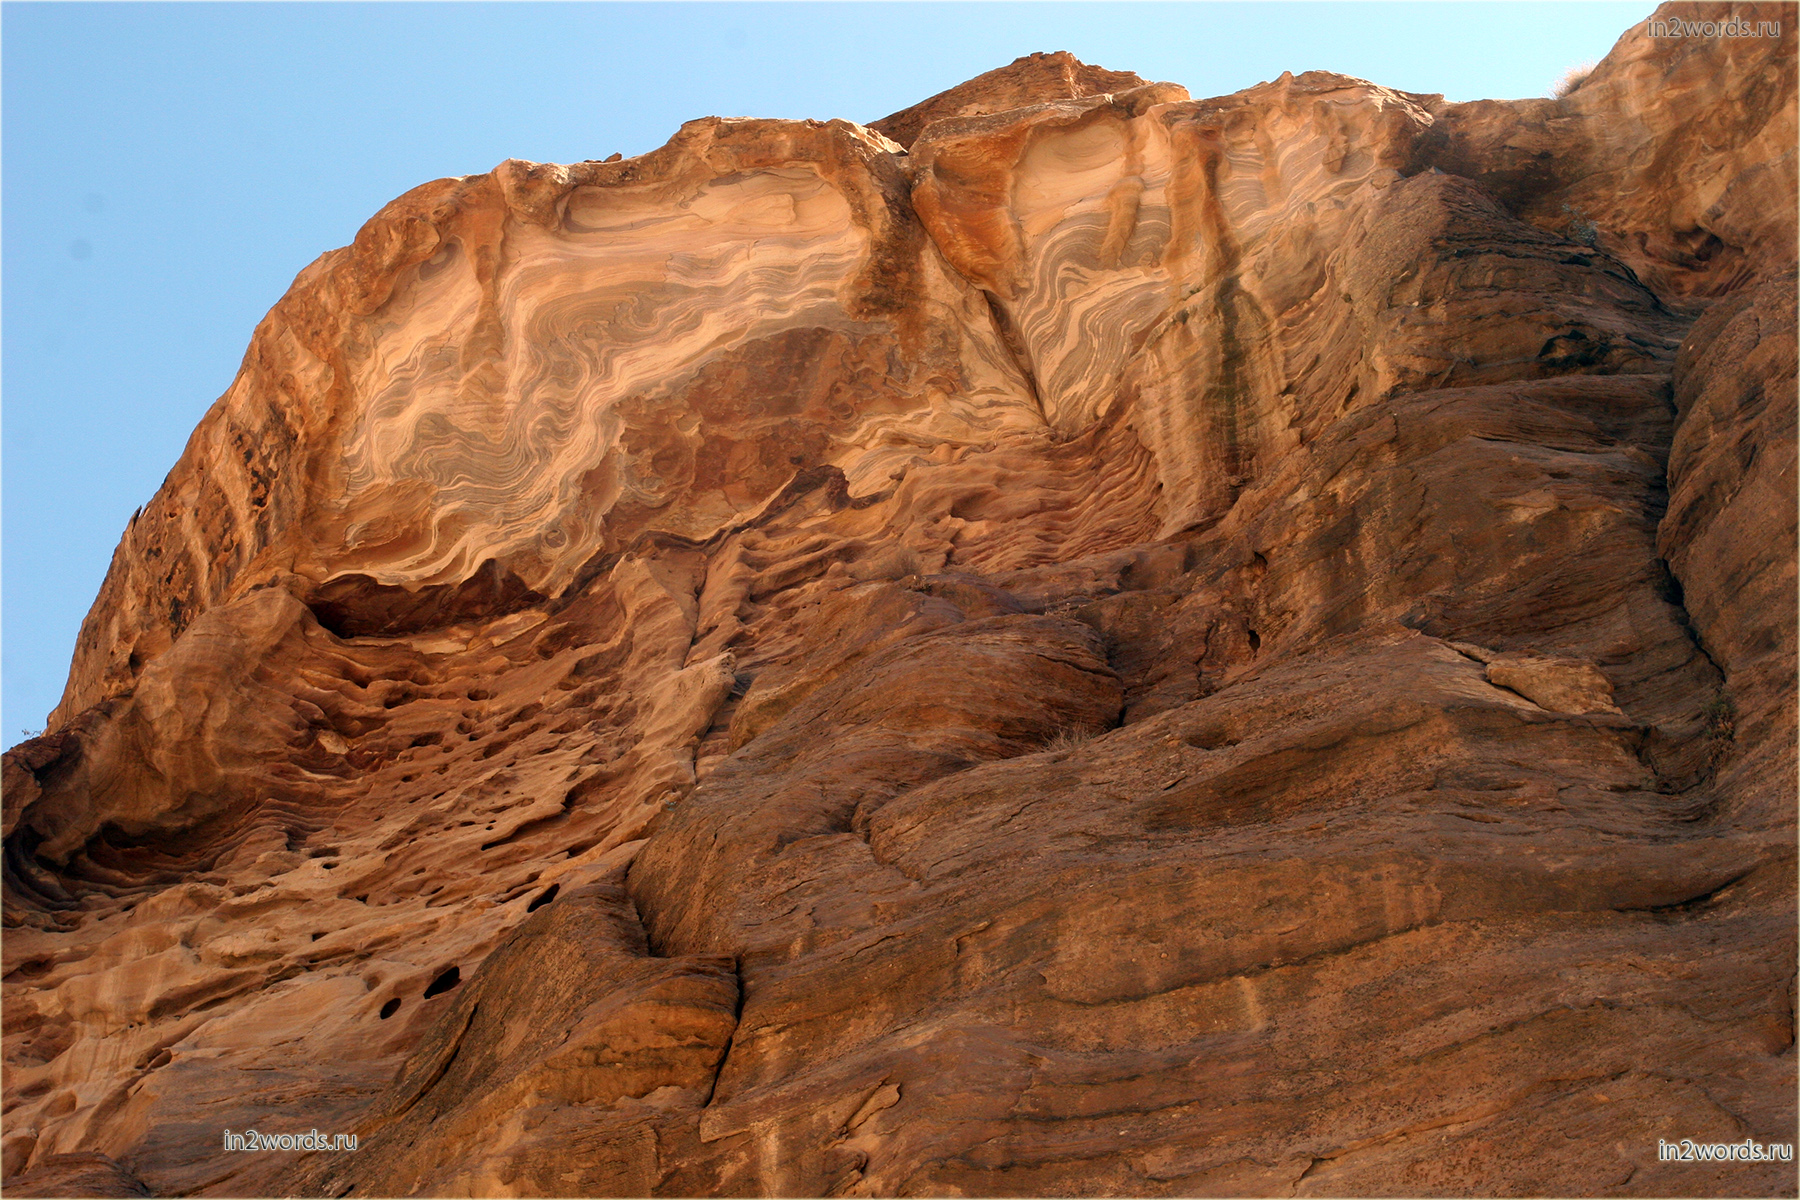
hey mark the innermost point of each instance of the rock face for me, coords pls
(1073, 640)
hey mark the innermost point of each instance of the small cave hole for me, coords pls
(1255, 641)
(317, 935)
(443, 983)
(330, 866)
(391, 1007)
(1209, 737)
(543, 898)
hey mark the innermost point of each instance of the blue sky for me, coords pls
(166, 169)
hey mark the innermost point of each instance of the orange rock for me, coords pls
(1137, 645)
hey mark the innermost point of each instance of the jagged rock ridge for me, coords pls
(1074, 639)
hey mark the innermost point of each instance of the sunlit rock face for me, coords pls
(1240, 271)
(511, 376)
(1074, 639)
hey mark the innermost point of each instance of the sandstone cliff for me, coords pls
(1072, 640)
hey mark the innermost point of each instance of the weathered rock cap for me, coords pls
(1032, 79)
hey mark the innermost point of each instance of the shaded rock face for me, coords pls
(1073, 640)
(1676, 155)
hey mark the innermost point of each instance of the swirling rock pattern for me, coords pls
(1073, 640)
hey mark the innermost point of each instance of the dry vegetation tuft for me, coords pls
(1571, 79)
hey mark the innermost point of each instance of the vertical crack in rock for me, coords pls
(1019, 355)
(712, 1088)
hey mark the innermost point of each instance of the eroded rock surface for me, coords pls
(1676, 155)
(1072, 640)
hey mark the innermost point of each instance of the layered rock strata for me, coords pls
(1072, 640)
